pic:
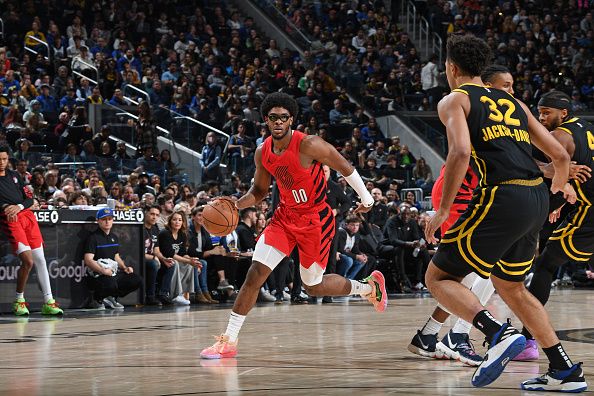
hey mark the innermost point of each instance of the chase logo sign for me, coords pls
(65, 216)
(47, 216)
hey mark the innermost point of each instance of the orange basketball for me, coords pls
(220, 217)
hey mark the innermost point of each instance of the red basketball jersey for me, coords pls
(301, 189)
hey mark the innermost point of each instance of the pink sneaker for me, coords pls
(378, 296)
(529, 353)
(221, 349)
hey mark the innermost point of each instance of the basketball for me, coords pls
(220, 217)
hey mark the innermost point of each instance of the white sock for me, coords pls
(431, 327)
(462, 327)
(235, 323)
(42, 274)
(360, 288)
(20, 295)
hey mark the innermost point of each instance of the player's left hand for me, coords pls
(434, 223)
(555, 214)
(362, 208)
(12, 210)
(128, 270)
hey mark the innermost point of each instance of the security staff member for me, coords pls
(108, 276)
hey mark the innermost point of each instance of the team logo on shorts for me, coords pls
(283, 176)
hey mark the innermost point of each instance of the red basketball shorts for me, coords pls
(311, 232)
(23, 234)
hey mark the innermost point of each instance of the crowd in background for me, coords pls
(204, 60)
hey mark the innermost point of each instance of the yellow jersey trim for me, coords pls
(565, 130)
(522, 182)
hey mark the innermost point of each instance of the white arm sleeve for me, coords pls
(356, 182)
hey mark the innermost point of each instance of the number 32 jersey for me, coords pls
(501, 149)
(302, 190)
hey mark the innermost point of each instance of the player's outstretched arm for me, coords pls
(319, 150)
(546, 143)
(452, 113)
(259, 189)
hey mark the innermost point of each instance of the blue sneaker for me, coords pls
(424, 345)
(503, 347)
(457, 346)
(570, 380)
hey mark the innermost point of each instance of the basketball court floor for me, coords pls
(335, 349)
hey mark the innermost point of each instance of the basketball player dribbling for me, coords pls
(497, 234)
(303, 218)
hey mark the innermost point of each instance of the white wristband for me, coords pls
(356, 182)
(21, 206)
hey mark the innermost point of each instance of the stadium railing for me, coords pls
(41, 42)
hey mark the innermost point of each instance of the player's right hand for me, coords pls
(362, 208)
(568, 192)
(433, 224)
(580, 173)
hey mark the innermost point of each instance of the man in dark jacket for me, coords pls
(349, 258)
(340, 204)
(401, 232)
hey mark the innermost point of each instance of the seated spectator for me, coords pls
(148, 163)
(121, 153)
(88, 152)
(129, 199)
(370, 172)
(349, 258)
(34, 108)
(371, 133)
(95, 97)
(167, 165)
(405, 158)
(379, 212)
(118, 98)
(85, 90)
(176, 271)
(107, 275)
(339, 115)
(69, 100)
(22, 152)
(166, 204)
(143, 186)
(71, 154)
(21, 168)
(411, 200)
(379, 154)
(423, 176)
(201, 246)
(152, 255)
(401, 232)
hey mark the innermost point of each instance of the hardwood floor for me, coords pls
(335, 349)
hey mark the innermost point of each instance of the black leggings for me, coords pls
(115, 286)
(545, 267)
